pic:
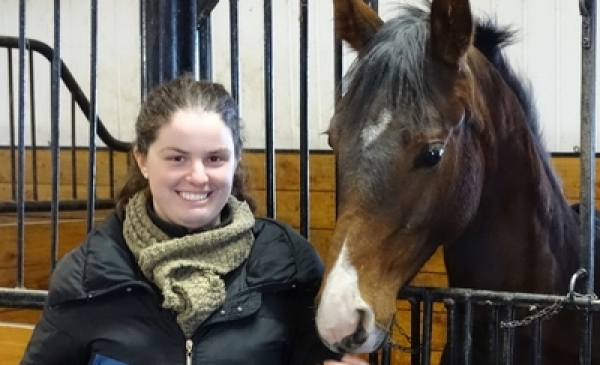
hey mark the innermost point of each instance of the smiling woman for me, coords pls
(182, 271)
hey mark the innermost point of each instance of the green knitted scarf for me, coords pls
(188, 270)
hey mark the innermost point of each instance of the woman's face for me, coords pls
(190, 168)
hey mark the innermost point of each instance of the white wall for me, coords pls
(548, 52)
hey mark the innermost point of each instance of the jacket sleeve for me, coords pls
(50, 345)
(307, 347)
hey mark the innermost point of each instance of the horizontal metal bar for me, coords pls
(499, 297)
(22, 298)
(43, 206)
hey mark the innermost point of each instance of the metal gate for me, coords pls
(175, 37)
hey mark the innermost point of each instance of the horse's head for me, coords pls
(409, 168)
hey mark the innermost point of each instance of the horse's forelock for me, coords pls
(389, 73)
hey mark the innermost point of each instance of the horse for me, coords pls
(437, 143)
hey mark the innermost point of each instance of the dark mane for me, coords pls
(490, 40)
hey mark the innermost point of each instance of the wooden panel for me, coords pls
(13, 340)
(322, 222)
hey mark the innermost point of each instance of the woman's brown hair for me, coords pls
(182, 93)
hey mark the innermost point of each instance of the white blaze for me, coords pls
(374, 130)
(338, 316)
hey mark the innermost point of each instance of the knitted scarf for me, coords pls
(188, 270)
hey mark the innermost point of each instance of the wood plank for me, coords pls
(13, 340)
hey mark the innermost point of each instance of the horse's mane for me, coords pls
(490, 39)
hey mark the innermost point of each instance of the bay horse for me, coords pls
(437, 144)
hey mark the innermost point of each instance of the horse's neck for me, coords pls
(515, 239)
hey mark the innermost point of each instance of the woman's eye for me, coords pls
(215, 159)
(176, 158)
(430, 157)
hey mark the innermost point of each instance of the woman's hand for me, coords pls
(347, 360)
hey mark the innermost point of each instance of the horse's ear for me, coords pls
(451, 25)
(355, 22)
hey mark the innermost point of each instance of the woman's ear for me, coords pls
(140, 159)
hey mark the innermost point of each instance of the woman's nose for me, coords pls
(197, 174)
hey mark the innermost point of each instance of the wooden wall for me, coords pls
(72, 227)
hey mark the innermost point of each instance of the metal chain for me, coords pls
(407, 349)
(543, 314)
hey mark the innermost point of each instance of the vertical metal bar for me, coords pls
(373, 358)
(304, 143)
(588, 139)
(450, 349)
(74, 192)
(467, 329)
(144, 82)
(91, 199)
(169, 40)
(269, 124)
(234, 41)
(493, 337)
(11, 123)
(508, 338)
(427, 328)
(386, 354)
(32, 123)
(55, 134)
(205, 45)
(415, 331)
(111, 172)
(536, 336)
(585, 349)
(21, 152)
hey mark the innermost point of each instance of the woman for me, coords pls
(182, 272)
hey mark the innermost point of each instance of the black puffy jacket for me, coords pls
(102, 310)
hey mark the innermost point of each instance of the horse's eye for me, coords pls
(429, 157)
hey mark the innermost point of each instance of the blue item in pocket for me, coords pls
(103, 360)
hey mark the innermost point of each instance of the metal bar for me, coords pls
(74, 193)
(234, 40)
(45, 205)
(493, 337)
(499, 298)
(536, 336)
(205, 45)
(415, 331)
(450, 349)
(144, 83)
(93, 114)
(585, 350)
(21, 153)
(508, 339)
(56, 66)
(71, 84)
(33, 128)
(427, 328)
(22, 298)
(588, 140)
(169, 40)
(269, 112)
(467, 332)
(304, 142)
(11, 124)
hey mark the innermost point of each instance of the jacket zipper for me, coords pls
(189, 344)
